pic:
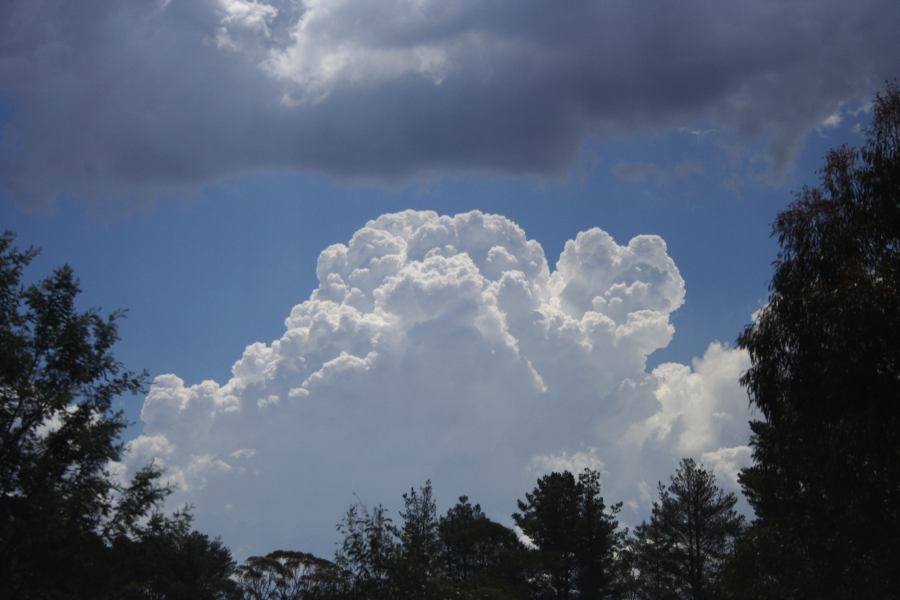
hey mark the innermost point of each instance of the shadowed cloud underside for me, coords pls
(126, 100)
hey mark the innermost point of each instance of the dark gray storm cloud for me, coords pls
(107, 98)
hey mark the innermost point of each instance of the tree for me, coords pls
(598, 541)
(825, 376)
(462, 555)
(64, 520)
(575, 534)
(652, 556)
(549, 518)
(418, 572)
(167, 560)
(290, 575)
(57, 429)
(481, 556)
(368, 552)
(692, 532)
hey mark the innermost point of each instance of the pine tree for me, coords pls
(576, 535)
(418, 572)
(692, 532)
(368, 552)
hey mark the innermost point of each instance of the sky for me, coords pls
(367, 244)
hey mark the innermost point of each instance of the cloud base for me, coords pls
(111, 99)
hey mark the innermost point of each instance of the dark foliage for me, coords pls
(369, 552)
(691, 534)
(166, 560)
(288, 575)
(462, 555)
(483, 558)
(651, 554)
(825, 376)
(67, 529)
(419, 571)
(576, 537)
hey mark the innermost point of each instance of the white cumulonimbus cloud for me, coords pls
(445, 348)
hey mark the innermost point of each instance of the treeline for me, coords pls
(570, 546)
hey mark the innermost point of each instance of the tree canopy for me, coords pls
(575, 533)
(825, 376)
(691, 535)
(68, 528)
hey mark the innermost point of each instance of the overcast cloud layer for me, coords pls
(445, 348)
(127, 98)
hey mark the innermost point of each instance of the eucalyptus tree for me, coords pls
(825, 376)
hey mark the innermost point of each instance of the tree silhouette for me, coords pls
(825, 358)
(692, 532)
(368, 553)
(68, 529)
(575, 534)
(57, 429)
(290, 575)
(704, 526)
(418, 572)
(168, 560)
(482, 557)
(652, 555)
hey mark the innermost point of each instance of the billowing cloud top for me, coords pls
(108, 97)
(445, 348)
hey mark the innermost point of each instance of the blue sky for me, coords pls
(206, 272)
(192, 160)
